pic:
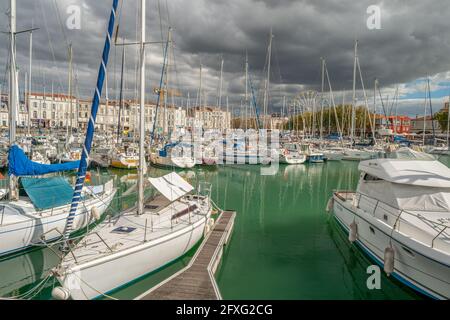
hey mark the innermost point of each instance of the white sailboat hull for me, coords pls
(24, 230)
(178, 162)
(333, 156)
(422, 270)
(291, 159)
(101, 276)
(356, 155)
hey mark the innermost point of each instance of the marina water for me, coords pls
(284, 245)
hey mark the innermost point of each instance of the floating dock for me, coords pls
(196, 281)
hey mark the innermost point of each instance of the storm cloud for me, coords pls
(413, 42)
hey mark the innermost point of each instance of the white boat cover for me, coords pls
(407, 197)
(409, 172)
(171, 186)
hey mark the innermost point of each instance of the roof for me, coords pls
(171, 186)
(411, 172)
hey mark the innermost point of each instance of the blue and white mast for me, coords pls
(91, 126)
(142, 164)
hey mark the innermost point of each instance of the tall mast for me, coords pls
(224, 125)
(375, 106)
(142, 114)
(12, 75)
(81, 175)
(219, 102)
(69, 119)
(200, 108)
(246, 91)
(266, 90)
(12, 94)
(425, 115)
(321, 99)
(352, 134)
(448, 121)
(121, 93)
(29, 82)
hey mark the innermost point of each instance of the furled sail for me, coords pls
(19, 165)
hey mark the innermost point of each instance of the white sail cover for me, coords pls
(171, 186)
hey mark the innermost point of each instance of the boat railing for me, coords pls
(379, 206)
(3, 214)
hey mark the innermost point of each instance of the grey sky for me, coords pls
(413, 42)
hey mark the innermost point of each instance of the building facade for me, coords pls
(209, 118)
(398, 124)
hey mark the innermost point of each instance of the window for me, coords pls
(44, 114)
(35, 114)
(368, 177)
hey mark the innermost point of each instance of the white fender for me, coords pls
(353, 232)
(59, 293)
(95, 213)
(207, 229)
(330, 204)
(389, 255)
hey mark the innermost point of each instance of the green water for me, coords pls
(284, 245)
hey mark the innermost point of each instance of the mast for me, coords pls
(246, 91)
(352, 134)
(69, 119)
(12, 94)
(321, 100)
(219, 102)
(448, 121)
(375, 105)
(200, 96)
(121, 93)
(91, 128)
(267, 86)
(224, 125)
(29, 82)
(424, 116)
(142, 115)
(12, 75)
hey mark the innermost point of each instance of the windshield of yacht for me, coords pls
(409, 154)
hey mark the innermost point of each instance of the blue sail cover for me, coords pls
(46, 193)
(19, 165)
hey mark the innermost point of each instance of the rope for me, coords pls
(32, 292)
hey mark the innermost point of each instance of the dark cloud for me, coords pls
(414, 42)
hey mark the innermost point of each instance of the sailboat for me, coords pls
(175, 154)
(144, 238)
(40, 215)
(126, 158)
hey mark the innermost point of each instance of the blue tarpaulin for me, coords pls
(19, 165)
(46, 193)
